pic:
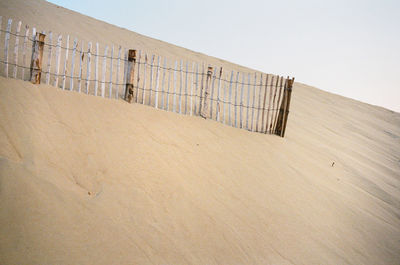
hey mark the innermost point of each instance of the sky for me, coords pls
(351, 48)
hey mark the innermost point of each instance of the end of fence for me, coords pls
(284, 108)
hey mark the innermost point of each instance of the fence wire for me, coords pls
(203, 91)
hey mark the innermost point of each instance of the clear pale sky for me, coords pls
(351, 48)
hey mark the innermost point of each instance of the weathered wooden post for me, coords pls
(203, 102)
(284, 109)
(130, 75)
(37, 57)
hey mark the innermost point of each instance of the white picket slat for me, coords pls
(168, 89)
(144, 79)
(88, 69)
(163, 84)
(65, 63)
(16, 46)
(254, 99)
(96, 70)
(196, 89)
(186, 88)
(230, 101)
(80, 67)
(24, 52)
(218, 94)
(214, 76)
(248, 101)
(103, 73)
(49, 56)
(259, 102)
(71, 79)
(151, 79)
(58, 60)
(191, 90)
(111, 72)
(138, 77)
(174, 82)
(180, 87)
(157, 81)
(117, 74)
(6, 42)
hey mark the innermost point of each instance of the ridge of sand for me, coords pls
(87, 180)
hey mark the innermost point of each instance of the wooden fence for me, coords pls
(252, 101)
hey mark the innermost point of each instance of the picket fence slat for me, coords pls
(151, 80)
(180, 87)
(273, 104)
(168, 89)
(163, 84)
(196, 89)
(230, 100)
(138, 77)
(253, 104)
(111, 73)
(103, 73)
(96, 71)
(1, 25)
(248, 101)
(269, 104)
(6, 41)
(24, 52)
(80, 67)
(157, 80)
(144, 79)
(277, 103)
(88, 69)
(265, 97)
(71, 80)
(50, 54)
(174, 82)
(224, 102)
(236, 98)
(16, 46)
(58, 60)
(186, 87)
(191, 90)
(117, 73)
(241, 101)
(214, 76)
(218, 94)
(65, 63)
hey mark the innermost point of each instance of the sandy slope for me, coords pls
(172, 189)
(85, 180)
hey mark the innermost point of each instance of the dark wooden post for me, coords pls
(204, 106)
(37, 58)
(130, 75)
(284, 109)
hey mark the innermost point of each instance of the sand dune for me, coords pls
(87, 180)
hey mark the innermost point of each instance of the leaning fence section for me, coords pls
(253, 101)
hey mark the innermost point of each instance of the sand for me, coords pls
(87, 180)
